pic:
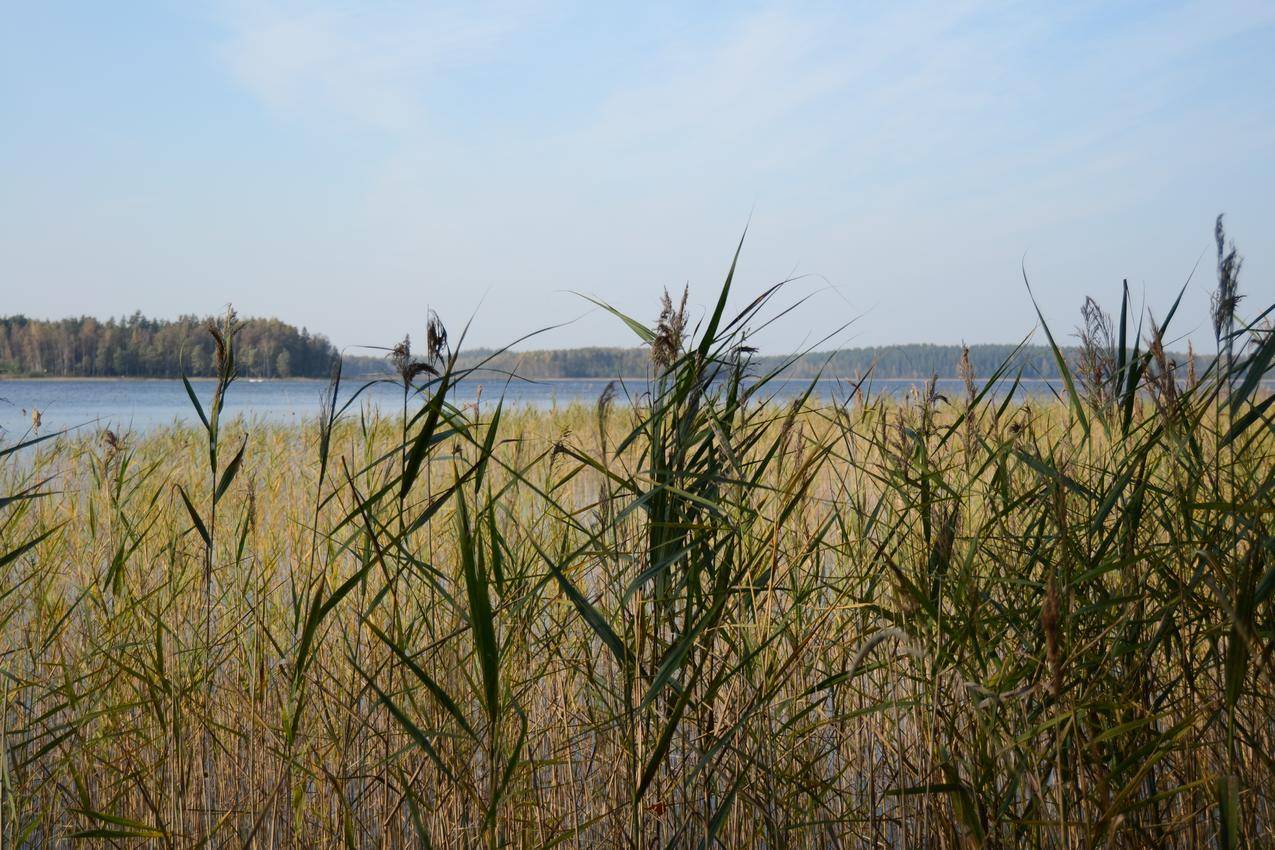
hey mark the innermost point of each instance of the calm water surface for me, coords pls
(140, 405)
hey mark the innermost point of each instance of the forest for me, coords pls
(886, 362)
(139, 347)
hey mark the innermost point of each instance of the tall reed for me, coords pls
(686, 616)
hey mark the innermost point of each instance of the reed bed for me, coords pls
(688, 616)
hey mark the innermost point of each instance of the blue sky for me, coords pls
(347, 166)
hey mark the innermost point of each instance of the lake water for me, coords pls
(139, 405)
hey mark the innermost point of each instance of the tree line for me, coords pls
(139, 347)
(136, 346)
(886, 362)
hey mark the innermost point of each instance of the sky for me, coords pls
(350, 166)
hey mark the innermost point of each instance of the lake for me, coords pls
(139, 405)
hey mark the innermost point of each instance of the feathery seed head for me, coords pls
(1227, 296)
(669, 331)
(435, 339)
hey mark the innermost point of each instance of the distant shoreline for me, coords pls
(104, 378)
(363, 378)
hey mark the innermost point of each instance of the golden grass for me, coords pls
(120, 720)
(697, 619)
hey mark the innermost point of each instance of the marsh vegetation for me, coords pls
(684, 616)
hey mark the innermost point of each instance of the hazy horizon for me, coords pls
(346, 167)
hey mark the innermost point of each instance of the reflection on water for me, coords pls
(139, 405)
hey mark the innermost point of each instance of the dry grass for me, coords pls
(692, 619)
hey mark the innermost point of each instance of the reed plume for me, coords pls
(1097, 362)
(1226, 297)
(670, 329)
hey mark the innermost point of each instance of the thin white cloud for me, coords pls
(778, 74)
(979, 130)
(871, 92)
(371, 63)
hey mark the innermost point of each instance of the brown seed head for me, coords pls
(435, 339)
(669, 331)
(1049, 624)
(1227, 296)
